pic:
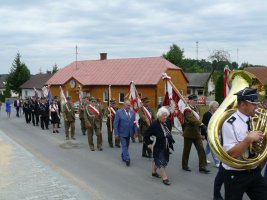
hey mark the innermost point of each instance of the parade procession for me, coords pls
(116, 112)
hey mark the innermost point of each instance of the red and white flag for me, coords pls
(44, 92)
(137, 104)
(35, 93)
(225, 81)
(134, 98)
(175, 102)
(63, 99)
(148, 115)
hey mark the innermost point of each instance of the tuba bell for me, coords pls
(238, 80)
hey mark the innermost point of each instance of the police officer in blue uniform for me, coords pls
(237, 138)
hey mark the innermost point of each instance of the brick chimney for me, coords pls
(103, 56)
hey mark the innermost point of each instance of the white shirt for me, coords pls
(53, 108)
(234, 131)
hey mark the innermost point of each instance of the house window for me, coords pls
(84, 94)
(189, 91)
(105, 96)
(200, 92)
(160, 100)
(121, 97)
(26, 93)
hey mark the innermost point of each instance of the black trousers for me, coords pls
(37, 118)
(17, 110)
(218, 182)
(27, 117)
(33, 118)
(44, 121)
(251, 182)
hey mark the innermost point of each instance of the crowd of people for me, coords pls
(155, 132)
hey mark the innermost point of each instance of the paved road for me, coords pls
(102, 175)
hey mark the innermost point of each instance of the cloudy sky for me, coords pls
(45, 32)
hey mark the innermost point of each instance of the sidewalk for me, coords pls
(24, 177)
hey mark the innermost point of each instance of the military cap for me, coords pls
(112, 100)
(68, 98)
(192, 97)
(248, 94)
(145, 100)
(92, 99)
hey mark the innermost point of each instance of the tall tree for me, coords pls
(175, 55)
(219, 89)
(55, 68)
(219, 59)
(19, 73)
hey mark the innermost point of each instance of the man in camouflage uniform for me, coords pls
(144, 122)
(81, 114)
(93, 119)
(110, 113)
(69, 118)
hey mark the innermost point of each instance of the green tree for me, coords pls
(234, 65)
(175, 55)
(54, 69)
(7, 92)
(219, 89)
(18, 74)
(219, 59)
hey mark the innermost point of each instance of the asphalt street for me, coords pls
(102, 175)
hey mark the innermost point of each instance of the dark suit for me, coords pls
(161, 149)
(124, 127)
(17, 105)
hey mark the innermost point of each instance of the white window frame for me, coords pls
(105, 96)
(120, 97)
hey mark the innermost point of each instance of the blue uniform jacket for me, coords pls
(123, 126)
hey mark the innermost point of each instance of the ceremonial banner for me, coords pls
(63, 99)
(134, 98)
(36, 93)
(176, 103)
(225, 80)
(49, 95)
(137, 104)
(44, 92)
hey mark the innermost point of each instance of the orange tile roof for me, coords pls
(259, 72)
(143, 71)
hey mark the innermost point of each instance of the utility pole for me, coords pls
(237, 56)
(197, 49)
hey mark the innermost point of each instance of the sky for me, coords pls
(46, 32)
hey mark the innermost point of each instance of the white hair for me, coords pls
(213, 104)
(163, 110)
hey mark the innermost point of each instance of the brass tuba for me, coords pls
(238, 80)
